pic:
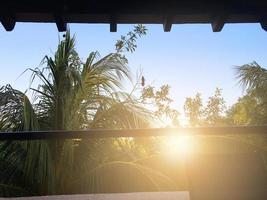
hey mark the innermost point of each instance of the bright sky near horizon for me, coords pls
(191, 58)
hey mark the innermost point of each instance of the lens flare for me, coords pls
(178, 145)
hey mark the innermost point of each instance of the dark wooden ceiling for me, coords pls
(113, 12)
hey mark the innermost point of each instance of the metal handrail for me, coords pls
(108, 133)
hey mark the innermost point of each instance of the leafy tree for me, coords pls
(210, 114)
(215, 109)
(247, 111)
(193, 109)
(160, 102)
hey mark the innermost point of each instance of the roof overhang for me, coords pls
(113, 12)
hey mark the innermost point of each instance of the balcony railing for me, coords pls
(108, 133)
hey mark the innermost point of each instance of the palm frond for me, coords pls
(129, 176)
(118, 111)
(26, 161)
(251, 76)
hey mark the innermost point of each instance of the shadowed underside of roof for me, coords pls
(113, 12)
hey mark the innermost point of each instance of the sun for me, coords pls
(178, 145)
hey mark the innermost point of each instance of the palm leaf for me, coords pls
(130, 177)
(252, 76)
(24, 161)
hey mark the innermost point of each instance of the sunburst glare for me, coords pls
(178, 145)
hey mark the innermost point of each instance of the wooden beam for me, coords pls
(113, 24)
(113, 27)
(218, 23)
(263, 23)
(150, 12)
(61, 24)
(167, 24)
(264, 26)
(102, 133)
(8, 21)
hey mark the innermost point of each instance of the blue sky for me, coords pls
(191, 58)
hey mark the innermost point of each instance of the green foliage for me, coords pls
(212, 114)
(22, 172)
(71, 94)
(251, 109)
(130, 177)
(252, 76)
(16, 111)
(193, 109)
(171, 167)
(247, 111)
(215, 109)
(160, 101)
(128, 42)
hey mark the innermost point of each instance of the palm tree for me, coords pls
(253, 78)
(70, 95)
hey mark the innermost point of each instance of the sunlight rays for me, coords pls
(178, 145)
